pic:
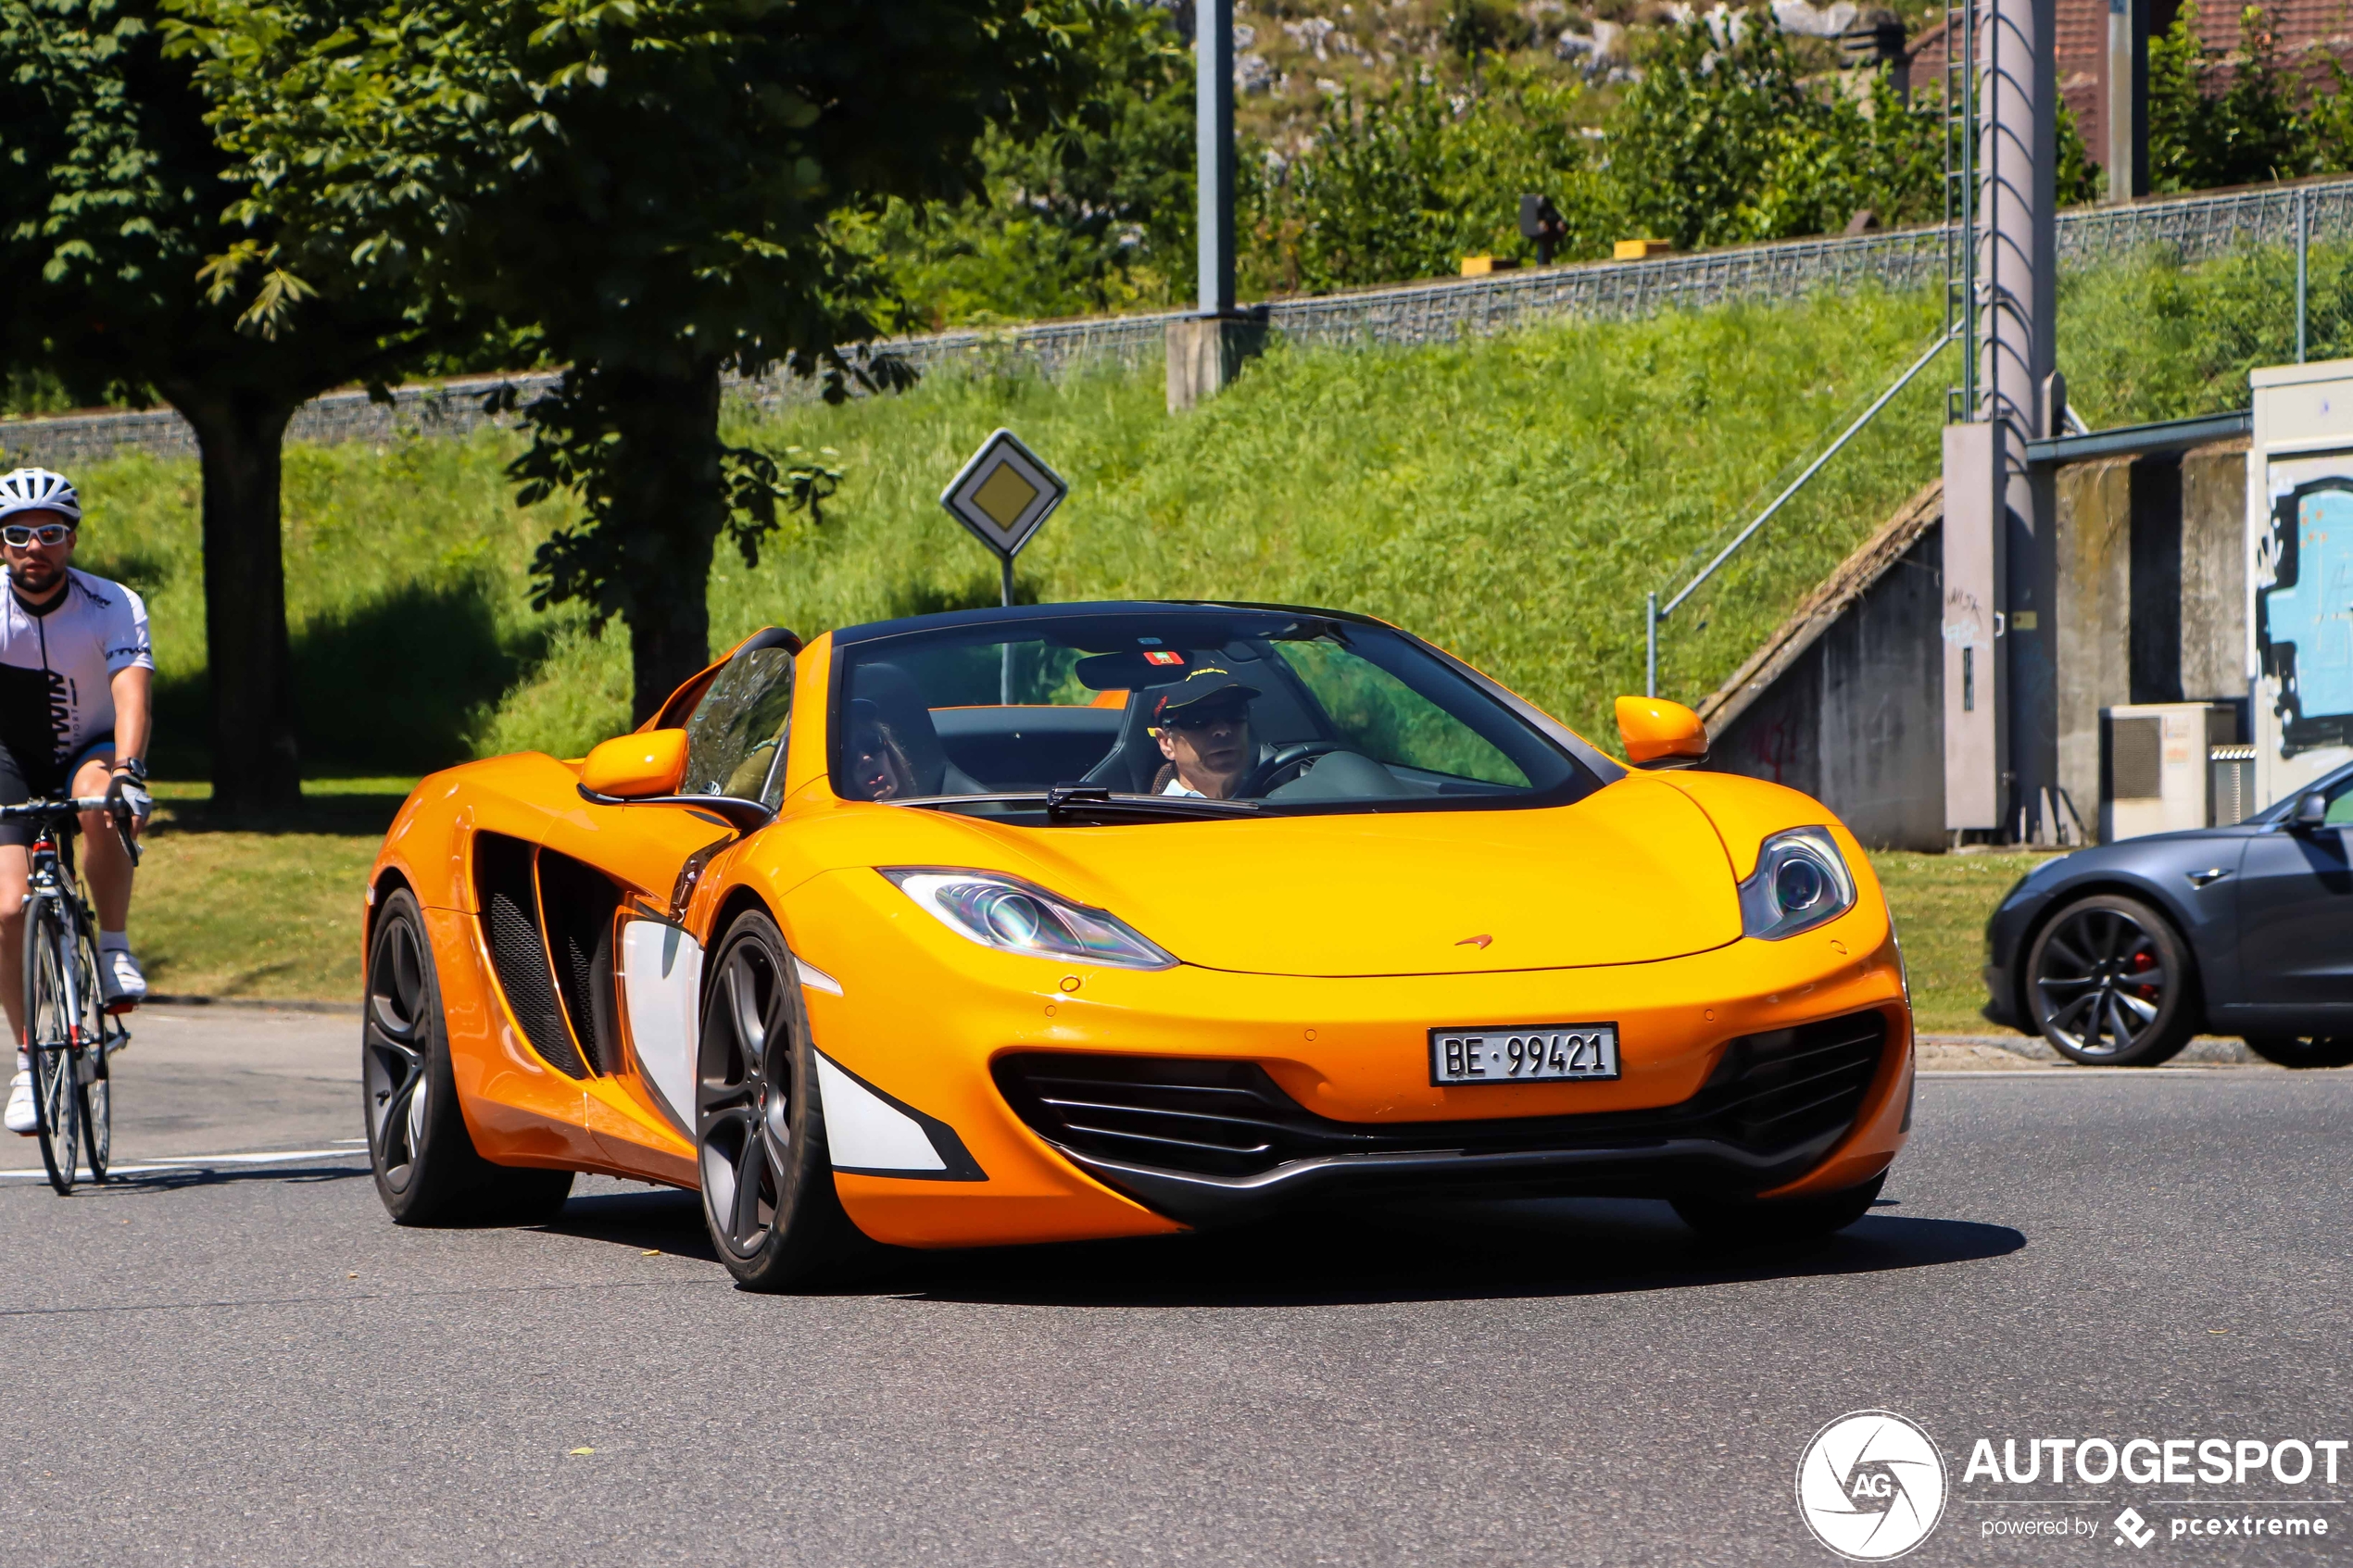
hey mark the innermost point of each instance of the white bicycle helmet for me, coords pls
(27, 490)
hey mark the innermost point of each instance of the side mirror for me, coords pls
(637, 767)
(1659, 734)
(2311, 813)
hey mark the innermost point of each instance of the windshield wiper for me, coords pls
(1095, 803)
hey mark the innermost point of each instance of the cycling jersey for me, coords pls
(56, 671)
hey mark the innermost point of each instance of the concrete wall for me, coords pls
(2214, 573)
(2147, 605)
(2092, 589)
(1857, 720)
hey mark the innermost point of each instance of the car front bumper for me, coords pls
(1342, 1065)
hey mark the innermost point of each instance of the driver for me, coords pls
(1203, 724)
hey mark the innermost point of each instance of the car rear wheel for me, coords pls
(428, 1171)
(2110, 983)
(1781, 1222)
(767, 1179)
(2308, 1051)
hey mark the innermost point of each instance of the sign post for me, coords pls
(1004, 495)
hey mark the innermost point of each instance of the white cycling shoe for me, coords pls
(120, 980)
(21, 1117)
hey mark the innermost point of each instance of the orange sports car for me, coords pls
(1096, 920)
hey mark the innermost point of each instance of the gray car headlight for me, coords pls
(1013, 916)
(1799, 882)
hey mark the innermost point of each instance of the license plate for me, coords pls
(1545, 1053)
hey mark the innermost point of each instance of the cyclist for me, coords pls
(76, 677)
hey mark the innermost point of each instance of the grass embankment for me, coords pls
(1512, 498)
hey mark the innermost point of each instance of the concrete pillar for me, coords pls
(1214, 114)
(1206, 352)
(2122, 142)
(2092, 592)
(2214, 636)
(2001, 767)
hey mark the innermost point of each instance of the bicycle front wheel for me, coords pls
(50, 1039)
(93, 1063)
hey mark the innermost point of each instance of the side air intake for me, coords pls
(506, 879)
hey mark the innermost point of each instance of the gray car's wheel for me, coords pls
(2110, 983)
(428, 1171)
(767, 1179)
(2307, 1051)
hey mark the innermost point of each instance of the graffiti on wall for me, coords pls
(2304, 614)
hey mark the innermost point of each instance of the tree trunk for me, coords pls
(255, 765)
(670, 509)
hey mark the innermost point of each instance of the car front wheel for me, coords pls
(2110, 983)
(767, 1179)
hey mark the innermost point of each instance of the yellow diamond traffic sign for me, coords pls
(1004, 493)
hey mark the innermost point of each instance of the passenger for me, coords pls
(878, 764)
(1203, 724)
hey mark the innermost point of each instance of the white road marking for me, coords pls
(200, 1162)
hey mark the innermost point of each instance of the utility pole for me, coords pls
(1214, 141)
(2000, 679)
(1206, 351)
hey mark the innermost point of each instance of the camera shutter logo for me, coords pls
(1871, 1486)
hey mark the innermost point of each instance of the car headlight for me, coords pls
(1018, 917)
(1800, 880)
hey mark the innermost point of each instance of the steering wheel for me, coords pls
(1259, 779)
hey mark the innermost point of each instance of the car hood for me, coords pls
(1632, 874)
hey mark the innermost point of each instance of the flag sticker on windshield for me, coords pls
(1162, 657)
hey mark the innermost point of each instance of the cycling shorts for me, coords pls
(19, 785)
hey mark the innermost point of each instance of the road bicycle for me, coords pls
(69, 1034)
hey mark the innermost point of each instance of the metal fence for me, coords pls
(1441, 311)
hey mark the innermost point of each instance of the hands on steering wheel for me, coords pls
(1255, 782)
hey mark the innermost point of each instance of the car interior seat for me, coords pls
(902, 704)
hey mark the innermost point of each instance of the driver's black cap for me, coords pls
(1207, 684)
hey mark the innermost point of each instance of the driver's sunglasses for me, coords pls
(1204, 720)
(22, 535)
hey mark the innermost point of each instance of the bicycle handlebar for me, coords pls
(57, 807)
(63, 807)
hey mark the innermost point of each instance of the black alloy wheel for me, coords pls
(2307, 1051)
(2110, 983)
(767, 1178)
(1778, 1222)
(427, 1170)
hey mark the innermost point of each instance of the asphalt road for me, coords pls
(249, 1364)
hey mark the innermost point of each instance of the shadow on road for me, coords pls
(139, 1183)
(1563, 1246)
(1568, 1246)
(660, 1217)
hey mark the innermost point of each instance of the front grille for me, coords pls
(1773, 1097)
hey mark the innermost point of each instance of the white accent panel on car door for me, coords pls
(661, 975)
(866, 1131)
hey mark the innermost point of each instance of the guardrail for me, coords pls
(2194, 228)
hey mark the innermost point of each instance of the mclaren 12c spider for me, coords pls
(1101, 920)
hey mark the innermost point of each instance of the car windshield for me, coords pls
(1183, 711)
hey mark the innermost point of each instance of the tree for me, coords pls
(655, 185)
(1094, 215)
(111, 202)
(2248, 132)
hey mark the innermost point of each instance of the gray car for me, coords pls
(2118, 955)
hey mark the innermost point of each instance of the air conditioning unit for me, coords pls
(2160, 768)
